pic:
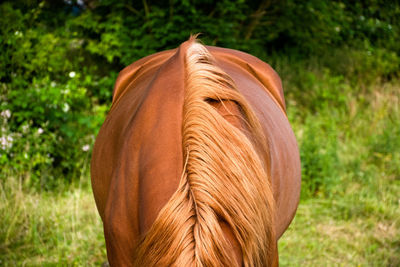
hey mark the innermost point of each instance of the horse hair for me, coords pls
(225, 179)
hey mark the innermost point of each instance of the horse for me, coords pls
(196, 163)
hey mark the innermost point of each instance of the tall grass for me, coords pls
(349, 139)
(49, 228)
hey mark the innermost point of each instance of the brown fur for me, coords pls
(225, 185)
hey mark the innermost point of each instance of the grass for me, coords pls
(357, 228)
(349, 214)
(321, 235)
(49, 229)
(318, 238)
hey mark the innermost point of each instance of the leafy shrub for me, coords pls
(363, 66)
(50, 109)
(52, 127)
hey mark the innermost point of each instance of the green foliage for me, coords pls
(51, 106)
(59, 61)
(319, 102)
(319, 156)
(363, 66)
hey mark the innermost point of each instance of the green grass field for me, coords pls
(50, 229)
(349, 212)
(64, 229)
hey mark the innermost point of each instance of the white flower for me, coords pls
(6, 114)
(6, 142)
(65, 107)
(72, 74)
(25, 128)
(85, 147)
(65, 91)
(3, 141)
(40, 131)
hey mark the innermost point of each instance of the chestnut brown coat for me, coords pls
(141, 160)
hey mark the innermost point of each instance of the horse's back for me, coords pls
(138, 158)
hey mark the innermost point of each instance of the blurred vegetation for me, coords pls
(339, 62)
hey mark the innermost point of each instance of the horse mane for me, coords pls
(225, 179)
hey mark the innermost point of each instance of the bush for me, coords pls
(51, 107)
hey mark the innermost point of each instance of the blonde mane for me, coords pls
(225, 180)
